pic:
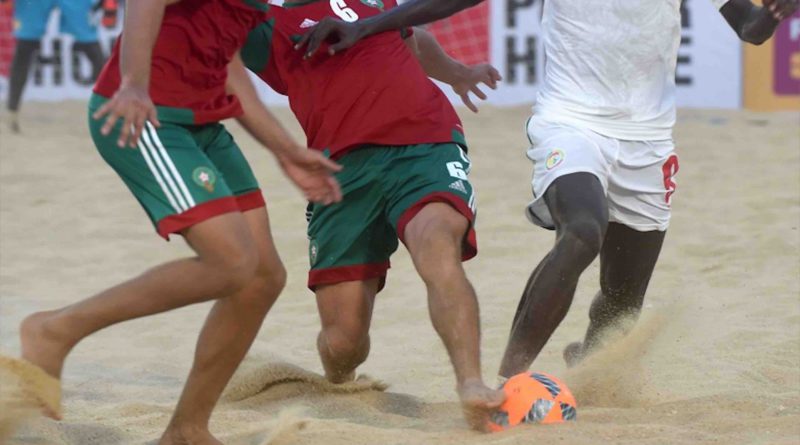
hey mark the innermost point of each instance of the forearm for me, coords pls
(435, 61)
(257, 120)
(760, 27)
(751, 23)
(142, 25)
(413, 13)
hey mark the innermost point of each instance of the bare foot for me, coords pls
(478, 401)
(41, 346)
(573, 354)
(175, 435)
(13, 123)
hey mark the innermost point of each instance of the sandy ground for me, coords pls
(716, 359)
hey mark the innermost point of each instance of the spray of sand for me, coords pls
(616, 375)
(18, 401)
(270, 379)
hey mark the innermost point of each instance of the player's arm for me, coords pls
(131, 102)
(440, 66)
(308, 169)
(411, 13)
(755, 24)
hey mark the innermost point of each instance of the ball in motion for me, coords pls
(534, 397)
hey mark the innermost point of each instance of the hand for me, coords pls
(340, 34)
(471, 78)
(781, 9)
(132, 104)
(311, 172)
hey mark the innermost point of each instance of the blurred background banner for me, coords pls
(711, 73)
(772, 71)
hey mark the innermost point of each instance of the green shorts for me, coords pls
(180, 174)
(384, 188)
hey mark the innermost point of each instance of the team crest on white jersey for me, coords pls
(308, 23)
(554, 159)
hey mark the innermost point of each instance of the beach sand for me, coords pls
(714, 360)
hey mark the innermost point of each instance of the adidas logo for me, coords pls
(459, 185)
(308, 23)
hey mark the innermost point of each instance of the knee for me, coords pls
(584, 236)
(235, 269)
(268, 284)
(346, 342)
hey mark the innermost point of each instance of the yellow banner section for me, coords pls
(772, 70)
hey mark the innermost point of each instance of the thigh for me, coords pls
(30, 18)
(351, 240)
(642, 185)
(627, 260)
(77, 19)
(226, 156)
(575, 198)
(173, 180)
(261, 233)
(423, 174)
(559, 150)
(347, 306)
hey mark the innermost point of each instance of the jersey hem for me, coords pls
(470, 244)
(637, 133)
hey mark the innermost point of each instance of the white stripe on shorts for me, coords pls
(171, 165)
(157, 175)
(164, 173)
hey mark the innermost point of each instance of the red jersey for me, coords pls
(198, 39)
(373, 93)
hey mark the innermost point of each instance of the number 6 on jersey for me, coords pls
(344, 12)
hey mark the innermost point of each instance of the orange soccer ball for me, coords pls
(534, 397)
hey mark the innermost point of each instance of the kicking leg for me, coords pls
(345, 311)
(627, 261)
(226, 337)
(579, 208)
(225, 263)
(434, 238)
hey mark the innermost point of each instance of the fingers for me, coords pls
(495, 76)
(138, 128)
(330, 165)
(478, 92)
(337, 190)
(303, 40)
(491, 77)
(341, 45)
(111, 120)
(102, 111)
(468, 102)
(125, 131)
(780, 10)
(314, 38)
(152, 116)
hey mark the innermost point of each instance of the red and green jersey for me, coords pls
(373, 93)
(198, 39)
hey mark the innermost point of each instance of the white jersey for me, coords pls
(610, 66)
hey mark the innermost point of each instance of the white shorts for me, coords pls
(637, 176)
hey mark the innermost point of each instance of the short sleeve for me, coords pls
(719, 3)
(258, 46)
